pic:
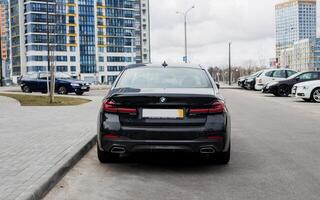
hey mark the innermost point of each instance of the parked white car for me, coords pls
(308, 91)
(272, 75)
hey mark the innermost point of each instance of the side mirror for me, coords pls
(218, 85)
(298, 79)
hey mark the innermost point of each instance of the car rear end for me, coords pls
(184, 123)
(164, 120)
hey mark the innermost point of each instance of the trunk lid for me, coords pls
(152, 99)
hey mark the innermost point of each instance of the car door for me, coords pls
(42, 84)
(31, 81)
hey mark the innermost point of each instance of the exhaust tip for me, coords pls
(118, 150)
(207, 150)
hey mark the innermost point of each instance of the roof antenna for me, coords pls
(164, 64)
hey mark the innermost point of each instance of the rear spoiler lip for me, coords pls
(159, 95)
(118, 95)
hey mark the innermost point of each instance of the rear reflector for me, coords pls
(110, 136)
(216, 107)
(111, 107)
(215, 137)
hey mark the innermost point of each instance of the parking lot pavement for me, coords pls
(34, 140)
(275, 155)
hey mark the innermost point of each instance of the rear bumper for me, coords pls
(134, 146)
(258, 86)
(215, 133)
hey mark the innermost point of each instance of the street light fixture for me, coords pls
(185, 32)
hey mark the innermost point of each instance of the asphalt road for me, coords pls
(275, 155)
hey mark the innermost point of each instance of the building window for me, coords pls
(101, 68)
(73, 68)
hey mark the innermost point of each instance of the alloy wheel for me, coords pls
(62, 90)
(26, 89)
(283, 91)
(316, 95)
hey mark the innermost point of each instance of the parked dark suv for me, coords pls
(283, 88)
(171, 108)
(64, 84)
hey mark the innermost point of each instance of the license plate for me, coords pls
(83, 88)
(163, 113)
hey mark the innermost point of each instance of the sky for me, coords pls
(248, 24)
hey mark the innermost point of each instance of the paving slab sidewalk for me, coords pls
(38, 144)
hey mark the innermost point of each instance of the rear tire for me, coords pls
(106, 157)
(62, 90)
(283, 91)
(26, 89)
(315, 95)
(223, 158)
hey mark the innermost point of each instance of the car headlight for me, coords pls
(75, 84)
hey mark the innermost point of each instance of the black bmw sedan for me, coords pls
(154, 108)
(64, 84)
(283, 88)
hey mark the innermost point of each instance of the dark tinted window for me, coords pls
(31, 76)
(269, 74)
(164, 78)
(309, 76)
(279, 74)
(290, 73)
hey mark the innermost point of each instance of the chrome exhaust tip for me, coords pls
(118, 150)
(207, 150)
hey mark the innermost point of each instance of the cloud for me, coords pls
(249, 24)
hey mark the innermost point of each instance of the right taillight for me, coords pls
(216, 107)
(110, 106)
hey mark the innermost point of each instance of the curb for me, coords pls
(46, 183)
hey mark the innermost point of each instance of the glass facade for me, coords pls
(295, 20)
(87, 36)
(90, 39)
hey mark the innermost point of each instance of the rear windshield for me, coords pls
(164, 78)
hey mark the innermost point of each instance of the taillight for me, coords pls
(111, 107)
(216, 107)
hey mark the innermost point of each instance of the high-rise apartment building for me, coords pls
(143, 24)
(89, 39)
(295, 20)
(4, 34)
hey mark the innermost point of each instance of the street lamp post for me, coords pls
(185, 14)
(229, 63)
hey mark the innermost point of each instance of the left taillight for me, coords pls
(110, 106)
(216, 107)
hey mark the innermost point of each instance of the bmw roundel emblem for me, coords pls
(163, 99)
